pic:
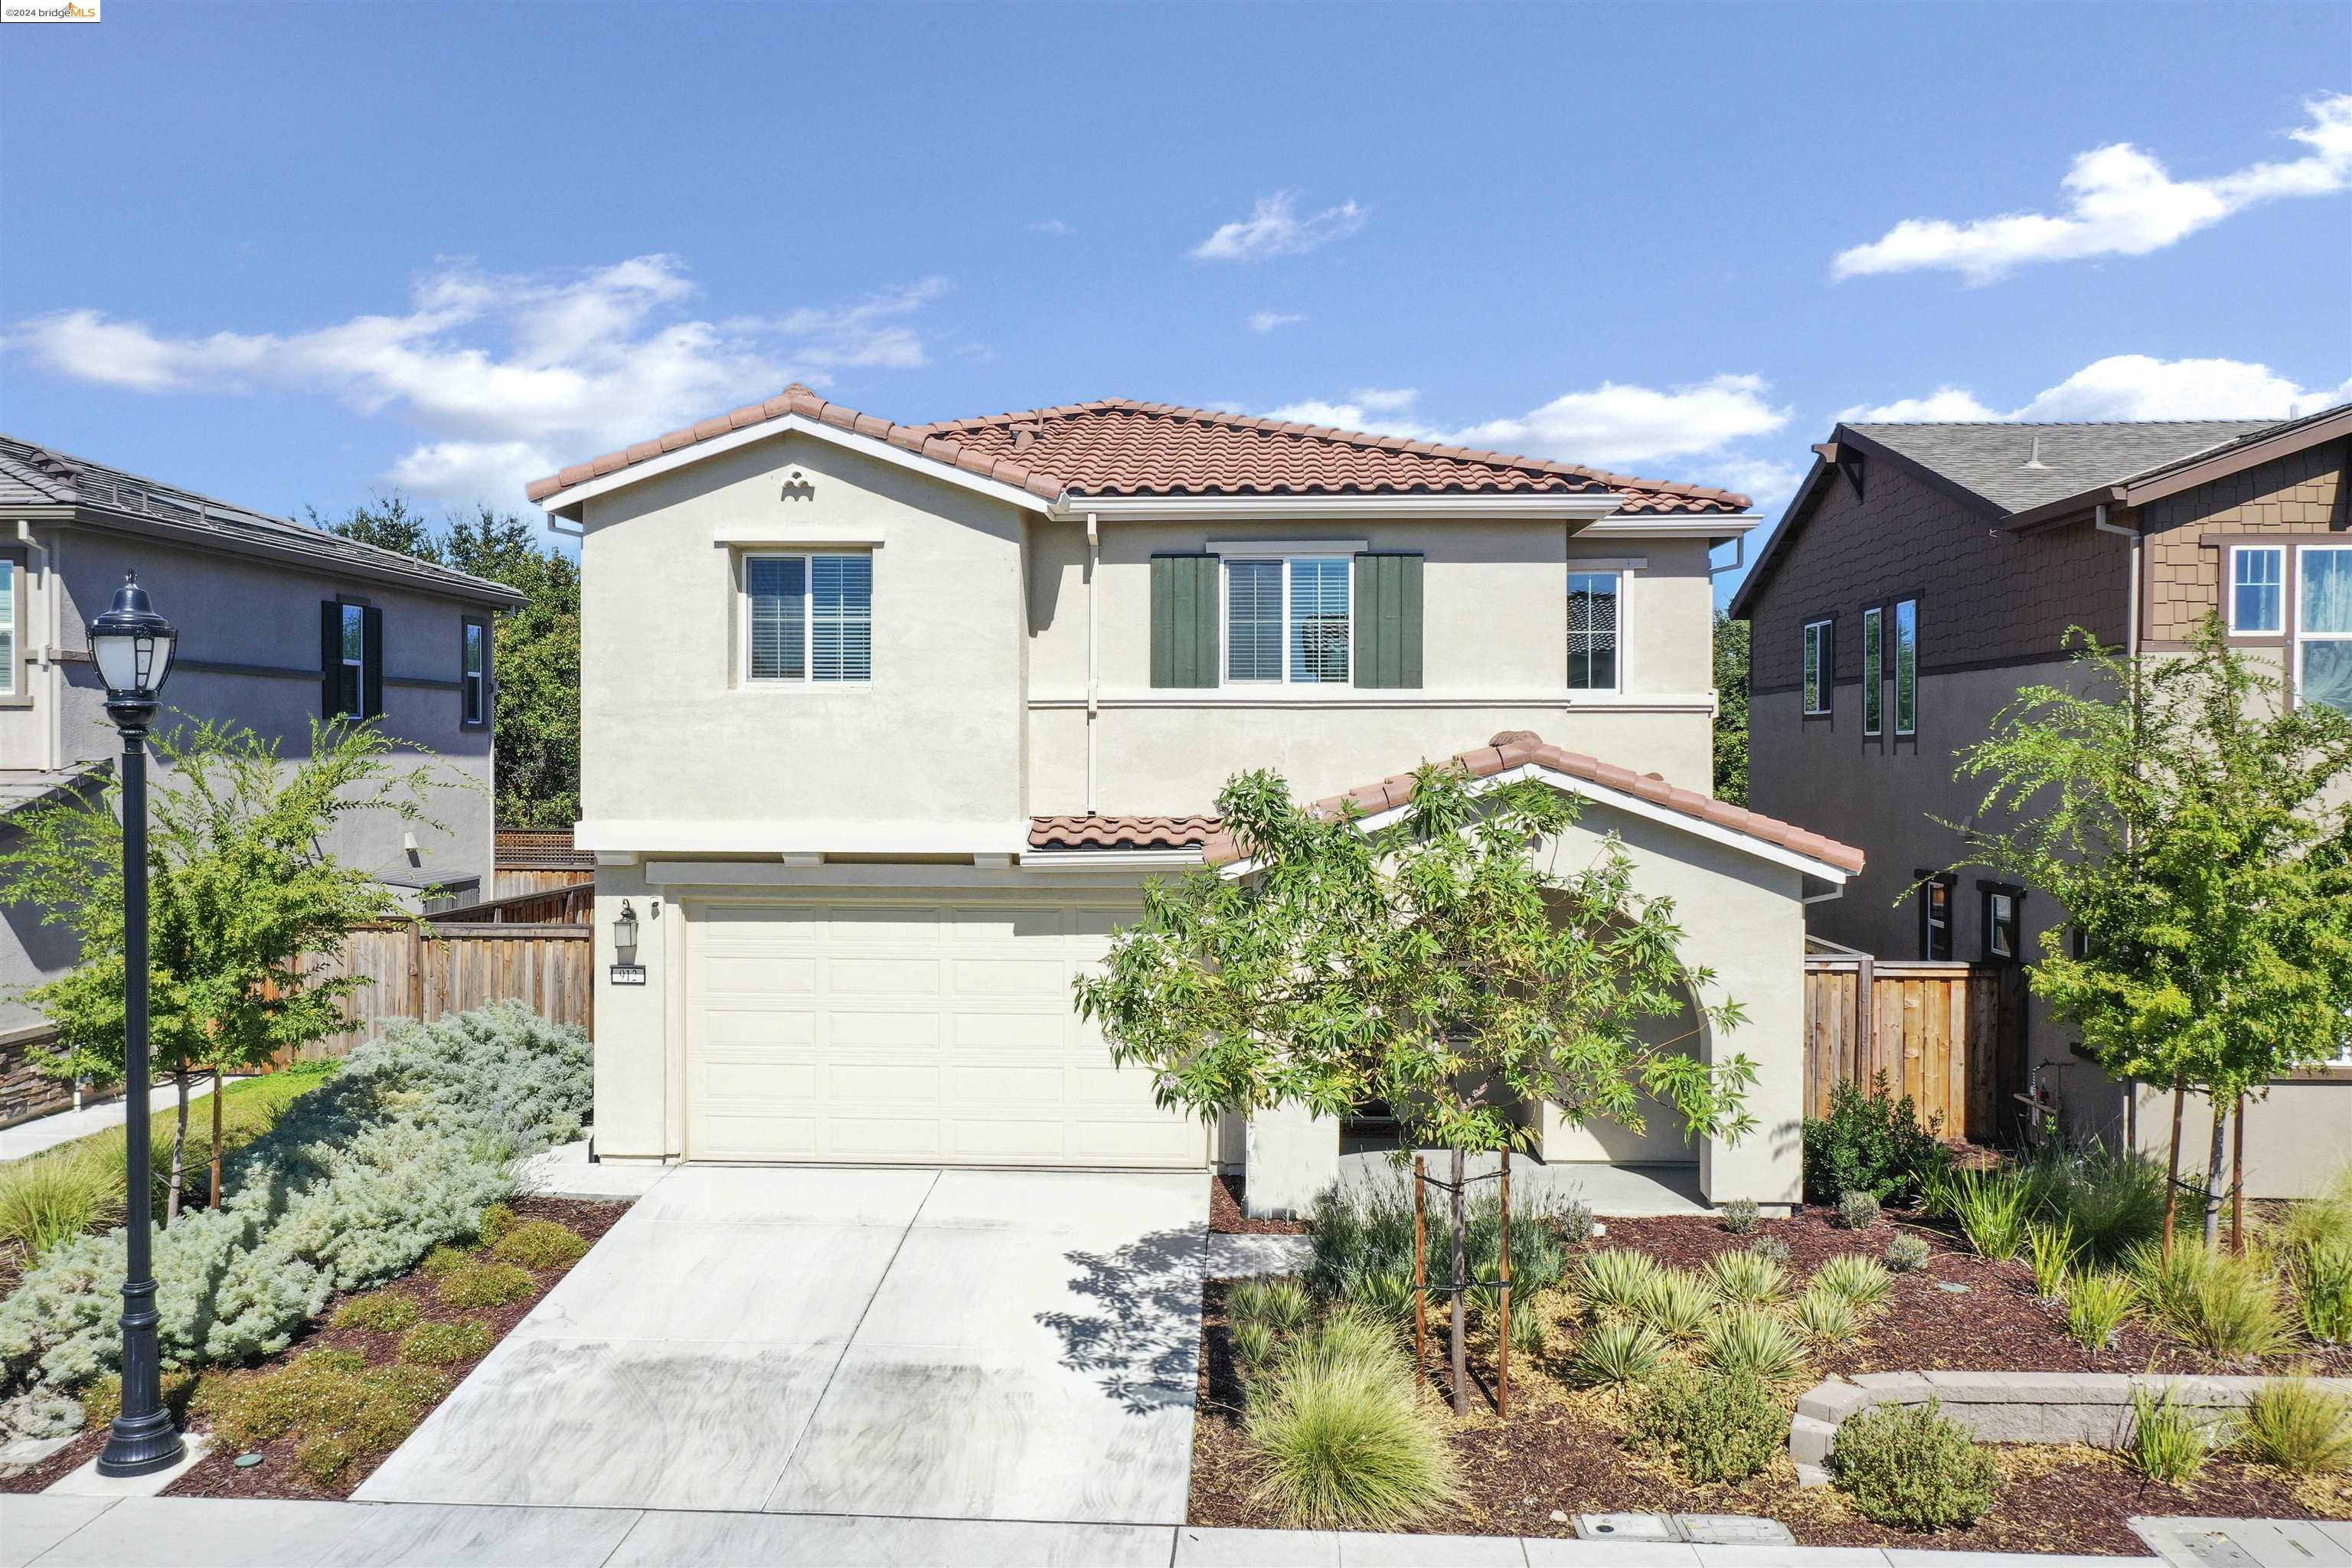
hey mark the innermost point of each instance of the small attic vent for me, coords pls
(2035, 462)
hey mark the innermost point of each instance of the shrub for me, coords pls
(1870, 1142)
(2052, 1249)
(1366, 1228)
(2322, 1220)
(385, 1312)
(1862, 1281)
(1615, 1281)
(2294, 1423)
(1718, 1428)
(323, 1396)
(1770, 1247)
(1253, 1347)
(1826, 1316)
(2167, 1443)
(487, 1284)
(2111, 1199)
(38, 1414)
(1913, 1468)
(1740, 1217)
(2224, 1304)
(1908, 1252)
(443, 1261)
(1857, 1210)
(1747, 1342)
(1390, 1296)
(1282, 1304)
(446, 1344)
(1745, 1278)
(1677, 1303)
(497, 1220)
(1994, 1208)
(1617, 1354)
(399, 1151)
(49, 1199)
(1344, 1436)
(540, 1244)
(2097, 1303)
(102, 1402)
(2322, 1289)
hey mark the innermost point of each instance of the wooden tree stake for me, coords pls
(218, 1089)
(1503, 1353)
(1420, 1268)
(2238, 1181)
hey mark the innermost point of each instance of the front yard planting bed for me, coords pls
(1568, 1449)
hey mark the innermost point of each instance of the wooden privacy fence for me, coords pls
(1950, 1035)
(531, 860)
(412, 973)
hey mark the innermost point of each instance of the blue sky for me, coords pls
(296, 253)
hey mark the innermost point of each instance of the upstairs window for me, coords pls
(1819, 678)
(2004, 922)
(1873, 668)
(2324, 626)
(351, 660)
(8, 677)
(809, 618)
(351, 676)
(473, 674)
(1595, 628)
(2257, 590)
(1907, 667)
(1288, 619)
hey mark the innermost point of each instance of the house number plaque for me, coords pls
(628, 974)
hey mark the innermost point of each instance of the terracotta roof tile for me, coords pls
(1515, 748)
(1118, 447)
(1120, 831)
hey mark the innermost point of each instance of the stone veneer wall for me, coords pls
(25, 1093)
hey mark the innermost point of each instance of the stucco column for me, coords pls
(632, 1066)
(1293, 1156)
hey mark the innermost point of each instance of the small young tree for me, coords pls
(1439, 965)
(2176, 808)
(240, 887)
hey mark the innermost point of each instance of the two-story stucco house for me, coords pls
(884, 725)
(1925, 571)
(278, 623)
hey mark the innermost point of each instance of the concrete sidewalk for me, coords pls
(64, 1126)
(200, 1532)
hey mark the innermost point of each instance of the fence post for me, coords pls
(416, 970)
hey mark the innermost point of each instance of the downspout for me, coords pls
(1093, 688)
(53, 728)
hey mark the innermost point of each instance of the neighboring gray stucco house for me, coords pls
(278, 623)
(1925, 571)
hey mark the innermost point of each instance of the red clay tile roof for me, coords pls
(1119, 447)
(1120, 831)
(1515, 748)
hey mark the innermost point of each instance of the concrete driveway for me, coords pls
(944, 1345)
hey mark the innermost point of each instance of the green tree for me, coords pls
(535, 648)
(1731, 709)
(1438, 965)
(2176, 809)
(239, 888)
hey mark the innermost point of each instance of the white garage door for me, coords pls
(923, 1031)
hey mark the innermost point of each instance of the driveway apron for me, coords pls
(895, 1342)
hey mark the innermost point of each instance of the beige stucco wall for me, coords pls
(670, 732)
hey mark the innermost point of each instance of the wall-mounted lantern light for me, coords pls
(625, 934)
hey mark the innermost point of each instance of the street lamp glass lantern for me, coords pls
(132, 645)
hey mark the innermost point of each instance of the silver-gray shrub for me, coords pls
(399, 1153)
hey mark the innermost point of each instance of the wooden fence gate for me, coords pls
(1950, 1035)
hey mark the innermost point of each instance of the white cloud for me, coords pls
(508, 377)
(2133, 386)
(1275, 229)
(2120, 201)
(1053, 227)
(1268, 321)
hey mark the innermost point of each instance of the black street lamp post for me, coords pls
(132, 647)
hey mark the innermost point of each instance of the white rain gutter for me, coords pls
(1094, 683)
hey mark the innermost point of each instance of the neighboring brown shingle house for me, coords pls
(1925, 572)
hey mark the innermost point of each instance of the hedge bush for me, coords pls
(1871, 1142)
(1718, 1426)
(400, 1152)
(1914, 1467)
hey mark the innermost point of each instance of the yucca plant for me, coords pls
(2294, 1423)
(2322, 1289)
(1750, 1342)
(2097, 1303)
(1745, 1278)
(1615, 1281)
(1253, 1347)
(1281, 1304)
(2168, 1444)
(2054, 1249)
(1527, 1319)
(1826, 1316)
(1863, 1282)
(1385, 1294)
(1677, 1303)
(1618, 1353)
(1993, 1206)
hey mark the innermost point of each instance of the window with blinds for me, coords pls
(1318, 620)
(809, 618)
(1288, 620)
(1254, 620)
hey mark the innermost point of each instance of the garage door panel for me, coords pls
(909, 1029)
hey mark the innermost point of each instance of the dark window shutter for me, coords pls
(1388, 620)
(373, 631)
(1184, 639)
(330, 658)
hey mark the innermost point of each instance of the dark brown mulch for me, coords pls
(1229, 1213)
(1567, 1452)
(1997, 1324)
(276, 1475)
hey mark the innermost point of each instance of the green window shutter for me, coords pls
(1388, 620)
(1184, 640)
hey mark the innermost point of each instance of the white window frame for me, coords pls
(1624, 616)
(2230, 590)
(807, 679)
(1227, 560)
(1824, 666)
(2304, 637)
